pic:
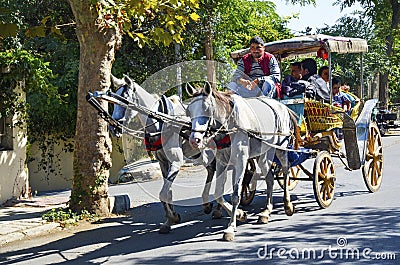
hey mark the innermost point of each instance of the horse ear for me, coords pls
(190, 90)
(117, 82)
(207, 88)
(128, 80)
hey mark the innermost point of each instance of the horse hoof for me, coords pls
(289, 210)
(228, 236)
(177, 218)
(164, 229)
(242, 216)
(207, 207)
(262, 220)
(217, 215)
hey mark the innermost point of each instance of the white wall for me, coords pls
(62, 178)
(14, 177)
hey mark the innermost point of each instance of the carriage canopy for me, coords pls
(309, 45)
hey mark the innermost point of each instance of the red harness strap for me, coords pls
(224, 142)
(153, 145)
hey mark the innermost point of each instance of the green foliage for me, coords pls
(240, 20)
(20, 65)
(347, 66)
(136, 18)
(66, 216)
(384, 17)
(48, 62)
(378, 24)
(46, 111)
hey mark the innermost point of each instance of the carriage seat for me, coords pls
(296, 104)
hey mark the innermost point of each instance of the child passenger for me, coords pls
(340, 99)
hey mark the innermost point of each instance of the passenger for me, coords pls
(323, 72)
(340, 99)
(346, 90)
(292, 85)
(257, 73)
(317, 89)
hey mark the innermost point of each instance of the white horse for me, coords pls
(165, 141)
(259, 127)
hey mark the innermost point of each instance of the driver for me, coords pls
(257, 73)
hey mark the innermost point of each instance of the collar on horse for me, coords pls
(154, 141)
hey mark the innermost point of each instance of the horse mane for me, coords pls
(223, 97)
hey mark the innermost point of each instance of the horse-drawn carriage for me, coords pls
(362, 145)
(362, 141)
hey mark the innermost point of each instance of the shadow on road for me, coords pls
(133, 236)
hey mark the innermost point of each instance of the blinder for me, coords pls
(208, 118)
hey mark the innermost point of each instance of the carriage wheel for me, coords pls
(324, 179)
(248, 185)
(372, 168)
(294, 173)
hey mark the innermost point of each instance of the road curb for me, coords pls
(33, 231)
(119, 203)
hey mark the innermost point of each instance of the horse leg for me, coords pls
(283, 158)
(219, 191)
(165, 196)
(207, 205)
(240, 157)
(264, 164)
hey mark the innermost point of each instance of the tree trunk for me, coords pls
(384, 89)
(92, 153)
(384, 77)
(208, 48)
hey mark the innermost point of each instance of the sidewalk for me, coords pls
(23, 218)
(20, 219)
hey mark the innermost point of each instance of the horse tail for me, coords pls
(296, 129)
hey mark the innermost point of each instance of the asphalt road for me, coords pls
(359, 226)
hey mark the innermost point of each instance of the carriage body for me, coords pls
(361, 146)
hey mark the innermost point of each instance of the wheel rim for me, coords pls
(247, 194)
(294, 172)
(324, 180)
(372, 169)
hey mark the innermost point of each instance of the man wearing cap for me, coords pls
(257, 73)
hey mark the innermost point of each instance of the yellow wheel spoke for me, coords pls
(322, 175)
(328, 193)
(374, 180)
(323, 191)
(378, 169)
(331, 186)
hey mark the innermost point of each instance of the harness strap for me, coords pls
(153, 142)
(223, 143)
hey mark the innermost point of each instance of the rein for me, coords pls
(109, 119)
(117, 99)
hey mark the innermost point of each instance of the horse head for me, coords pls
(126, 88)
(200, 110)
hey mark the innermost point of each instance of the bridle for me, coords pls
(214, 127)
